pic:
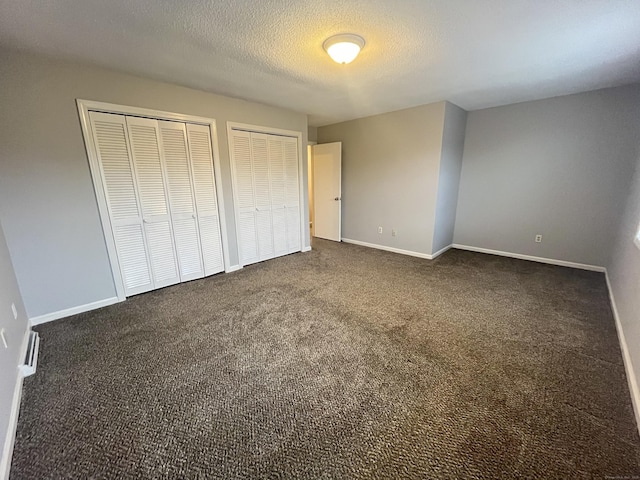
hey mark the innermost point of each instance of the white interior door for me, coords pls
(145, 147)
(266, 180)
(204, 183)
(245, 197)
(278, 195)
(292, 194)
(118, 179)
(155, 180)
(181, 200)
(327, 190)
(262, 190)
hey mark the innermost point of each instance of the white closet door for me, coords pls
(267, 189)
(262, 189)
(292, 193)
(245, 197)
(181, 199)
(114, 157)
(144, 138)
(206, 200)
(278, 197)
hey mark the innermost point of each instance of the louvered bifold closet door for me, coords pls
(245, 198)
(144, 138)
(206, 199)
(278, 197)
(262, 189)
(181, 199)
(118, 180)
(292, 194)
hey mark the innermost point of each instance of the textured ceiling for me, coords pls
(474, 53)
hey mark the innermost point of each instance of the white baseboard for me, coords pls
(306, 249)
(626, 357)
(9, 440)
(551, 261)
(441, 251)
(389, 249)
(49, 317)
(233, 268)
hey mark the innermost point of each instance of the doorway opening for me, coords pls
(325, 190)
(310, 184)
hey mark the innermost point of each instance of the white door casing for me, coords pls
(327, 191)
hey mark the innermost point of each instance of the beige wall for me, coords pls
(390, 167)
(47, 203)
(11, 357)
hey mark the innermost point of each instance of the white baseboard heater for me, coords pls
(31, 359)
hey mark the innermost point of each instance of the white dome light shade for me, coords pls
(343, 48)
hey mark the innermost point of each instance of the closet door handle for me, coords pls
(337, 199)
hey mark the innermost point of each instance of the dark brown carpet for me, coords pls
(344, 362)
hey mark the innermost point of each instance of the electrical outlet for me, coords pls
(538, 238)
(15, 312)
(4, 340)
(393, 232)
(379, 229)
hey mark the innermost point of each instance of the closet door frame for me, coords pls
(231, 126)
(84, 107)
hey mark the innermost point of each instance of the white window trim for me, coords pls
(304, 205)
(636, 238)
(84, 106)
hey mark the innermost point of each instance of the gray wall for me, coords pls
(390, 165)
(313, 134)
(455, 121)
(559, 167)
(15, 331)
(624, 270)
(47, 203)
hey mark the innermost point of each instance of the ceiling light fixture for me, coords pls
(343, 48)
